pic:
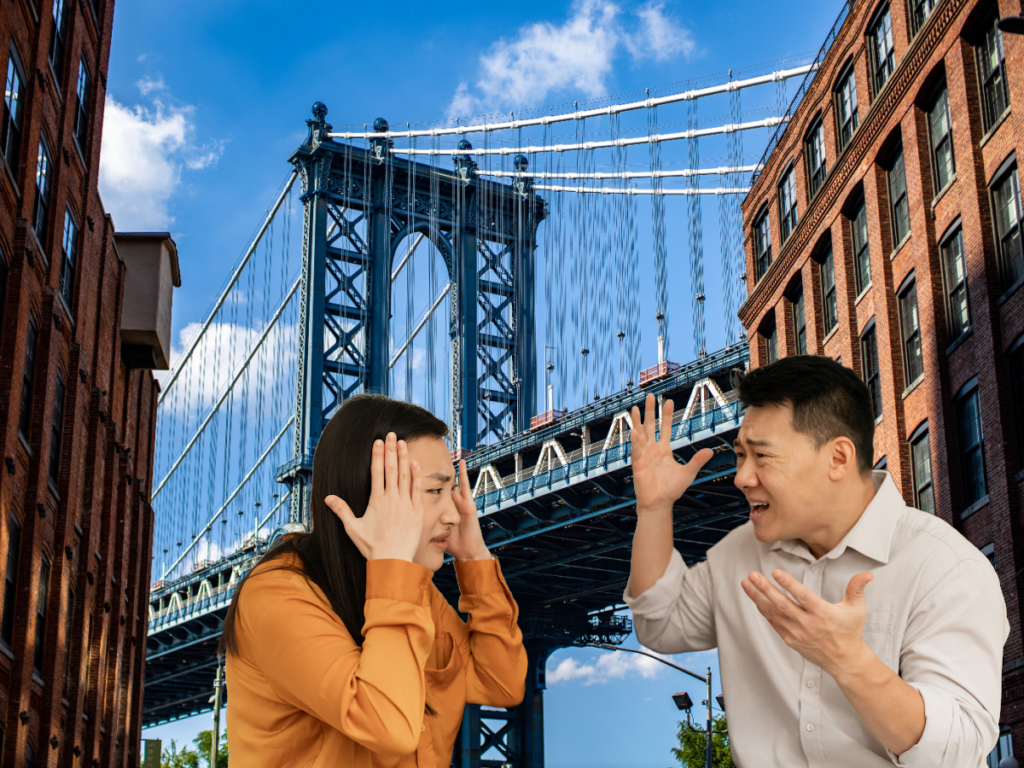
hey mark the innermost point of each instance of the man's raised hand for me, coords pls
(392, 526)
(658, 478)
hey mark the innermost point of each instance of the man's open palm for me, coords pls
(658, 478)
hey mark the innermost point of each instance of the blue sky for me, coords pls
(207, 100)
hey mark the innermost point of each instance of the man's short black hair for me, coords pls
(828, 400)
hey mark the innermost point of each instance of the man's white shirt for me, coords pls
(936, 616)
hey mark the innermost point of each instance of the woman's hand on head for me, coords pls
(467, 541)
(393, 523)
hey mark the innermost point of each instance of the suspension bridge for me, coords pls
(514, 276)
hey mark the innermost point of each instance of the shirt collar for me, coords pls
(872, 533)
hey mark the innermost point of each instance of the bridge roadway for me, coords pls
(557, 507)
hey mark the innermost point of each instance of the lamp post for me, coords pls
(1013, 25)
(684, 700)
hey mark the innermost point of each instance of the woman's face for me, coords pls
(437, 481)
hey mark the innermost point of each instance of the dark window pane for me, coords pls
(800, 323)
(883, 53)
(58, 37)
(830, 308)
(1006, 198)
(787, 204)
(955, 275)
(10, 582)
(27, 378)
(3, 288)
(771, 346)
(971, 449)
(922, 464)
(869, 361)
(69, 258)
(898, 205)
(1017, 386)
(911, 327)
(816, 165)
(57, 431)
(992, 67)
(846, 108)
(43, 173)
(861, 253)
(940, 133)
(68, 634)
(44, 590)
(10, 129)
(921, 10)
(762, 245)
(82, 106)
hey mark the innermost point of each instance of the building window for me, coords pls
(14, 99)
(57, 429)
(921, 462)
(10, 583)
(43, 173)
(861, 252)
(1006, 199)
(968, 413)
(920, 10)
(869, 362)
(1017, 387)
(989, 551)
(799, 322)
(829, 304)
(911, 328)
(44, 589)
(954, 272)
(68, 634)
(68, 258)
(58, 38)
(814, 147)
(940, 133)
(3, 288)
(82, 106)
(846, 107)
(771, 346)
(899, 208)
(883, 55)
(787, 204)
(995, 96)
(27, 377)
(30, 757)
(1004, 747)
(762, 245)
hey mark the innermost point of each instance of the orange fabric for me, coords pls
(302, 694)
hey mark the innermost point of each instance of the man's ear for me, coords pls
(842, 458)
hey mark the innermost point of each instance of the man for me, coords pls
(852, 630)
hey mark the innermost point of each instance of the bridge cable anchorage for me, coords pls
(231, 498)
(213, 411)
(534, 149)
(629, 191)
(772, 77)
(194, 342)
(684, 173)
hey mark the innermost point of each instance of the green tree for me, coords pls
(172, 758)
(203, 743)
(692, 745)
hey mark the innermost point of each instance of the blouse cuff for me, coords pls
(479, 577)
(398, 580)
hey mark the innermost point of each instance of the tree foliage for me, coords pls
(198, 757)
(692, 745)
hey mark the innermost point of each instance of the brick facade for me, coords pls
(944, 49)
(92, 523)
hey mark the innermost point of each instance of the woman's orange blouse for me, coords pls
(302, 693)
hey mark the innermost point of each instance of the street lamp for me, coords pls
(682, 700)
(1013, 25)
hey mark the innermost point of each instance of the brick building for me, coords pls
(77, 406)
(884, 232)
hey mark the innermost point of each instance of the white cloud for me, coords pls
(608, 666)
(145, 148)
(545, 58)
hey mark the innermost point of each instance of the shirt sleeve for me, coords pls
(376, 694)
(952, 654)
(676, 614)
(491, 642)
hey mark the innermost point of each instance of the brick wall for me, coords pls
(943, 49)
(93, 523)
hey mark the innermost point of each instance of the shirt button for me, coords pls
(810, 727)
(814, 568)
(810, 683)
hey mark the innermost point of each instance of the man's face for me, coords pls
(784, 477)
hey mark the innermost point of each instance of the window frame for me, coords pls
(829, 298)
(799, 311)
(941, 94)
(10, 582)
(44, 168)
(58, 39)
(814, 149)
(762, 254)
(953, 286)
(68, 259)
(862, 251)
(996, 75)
(919, 436)
(57, 429)
(881, 70)
(969, 393)
(1012, 267)
(785, 191)
(910, 338)
(42, 599)
(12, 154)
(842, 99)
(771, 344)
(82, 99)
(1015, 361)
(28, 377)
(870, 372)
(916, 19)
(899, 200)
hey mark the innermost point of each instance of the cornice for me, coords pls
(882, 109)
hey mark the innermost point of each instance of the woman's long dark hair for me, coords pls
(341, 466)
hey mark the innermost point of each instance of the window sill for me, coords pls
(994, 129)
(81, 154)
(51, 488)
(1005, 297)
(6, 651)
(942, 193)
(912, 386)
(56, 81)
(24, 443)
(11, 177)
(37, 679)
(829, 335)
(960, 340)
(67, 310)
(862, 294)
(983, 501)
(899, 247)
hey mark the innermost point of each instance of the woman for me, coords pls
(340, 649)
